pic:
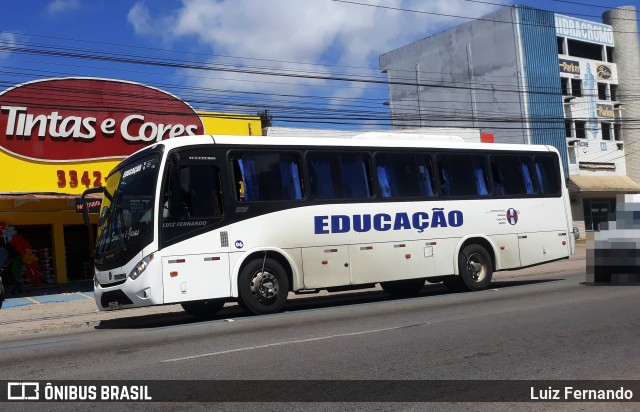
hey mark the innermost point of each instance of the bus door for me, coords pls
(196, 263)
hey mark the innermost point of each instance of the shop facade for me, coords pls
(59, 137)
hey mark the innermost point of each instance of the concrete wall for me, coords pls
(467, 76)
(626, 56)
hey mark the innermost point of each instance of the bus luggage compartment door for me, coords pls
(196, 277)
(538, 247)
(326, 266)
(379, 262)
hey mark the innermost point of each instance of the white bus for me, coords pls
(207, 219)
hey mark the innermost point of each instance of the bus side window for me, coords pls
(196, 194)
(546, 176)
(463, 175)
(402, 175)
(498, 178)
(322, 170)
(340, 176)
(205, 196)
(512, 175)
(267, 176)
(356, 179)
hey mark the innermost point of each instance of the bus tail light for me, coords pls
(140, 267)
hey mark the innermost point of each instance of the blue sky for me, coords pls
(208, 51)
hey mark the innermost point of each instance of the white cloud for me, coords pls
(58, 6)
(311, 31)
(6, 40)
(140, 19)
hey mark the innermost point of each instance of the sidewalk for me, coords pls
(73, 291)
(73, 305)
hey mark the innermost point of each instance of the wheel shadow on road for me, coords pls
(232, 311)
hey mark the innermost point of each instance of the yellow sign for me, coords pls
(231, 124)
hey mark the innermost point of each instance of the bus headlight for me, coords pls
(140, 267)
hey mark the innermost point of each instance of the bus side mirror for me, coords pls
(85, 207)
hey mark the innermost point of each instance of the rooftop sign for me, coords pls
(584, 30)
(65, 120)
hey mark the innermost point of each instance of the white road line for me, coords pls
(290, 342)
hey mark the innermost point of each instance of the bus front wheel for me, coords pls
(203, 308)
(263, 287)
(476, 270)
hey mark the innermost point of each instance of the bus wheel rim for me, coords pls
(476, 266)
(264, 287)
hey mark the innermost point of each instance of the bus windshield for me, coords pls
(126, 215)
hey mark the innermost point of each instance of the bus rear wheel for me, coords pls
(263, 287)
(203, 308)
(403, 288)
(476, 270)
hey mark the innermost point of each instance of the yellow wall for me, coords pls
(22, 175)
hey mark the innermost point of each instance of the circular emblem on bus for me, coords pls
(239, 244)
(512, 216)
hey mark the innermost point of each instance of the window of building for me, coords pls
(606, 131)
(602, 91)
(576, 87)
(581, 129)
(564, 83)
(401, 175)
(597, 211)
(463, 175)
(560, 41)
(511, 175)
(573, 156)
(614, 92)
(585, 50)
(609, 54)
(567, 129)
(267, 176)
(617, 131)
(339, 176)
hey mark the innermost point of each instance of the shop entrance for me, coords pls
(39, 239)
(78, 245)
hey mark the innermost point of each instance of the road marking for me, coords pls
(55, 342)
(292, 342)
(32, 300)
(86, 296)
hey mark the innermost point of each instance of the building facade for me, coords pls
(535, 77)
(59, 137)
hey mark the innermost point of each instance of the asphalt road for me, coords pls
(547, 326)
